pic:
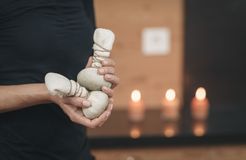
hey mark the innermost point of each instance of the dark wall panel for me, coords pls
(215, 49)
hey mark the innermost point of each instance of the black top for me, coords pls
(36, 37)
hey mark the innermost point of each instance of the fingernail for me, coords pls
(105, 88)
(111, 107)
(107, 76)
(87, 103)
(108, 114)
(101, 70)
(105, 62)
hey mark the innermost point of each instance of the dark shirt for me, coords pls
(36, 37)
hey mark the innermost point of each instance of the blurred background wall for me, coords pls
(215, 36)
(207, 48)
(152, 74)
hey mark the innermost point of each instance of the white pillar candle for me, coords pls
(200, 105)
(171, 106)
(136, 107)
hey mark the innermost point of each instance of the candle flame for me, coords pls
(170, 94)
(136, 96)
(200, 93)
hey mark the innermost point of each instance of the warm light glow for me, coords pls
(136, 96)
(200, 93)
(135, 132)
(170, 94)
(169, 132)
(199, 130)
(130, 158)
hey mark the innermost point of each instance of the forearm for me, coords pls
(15, 97)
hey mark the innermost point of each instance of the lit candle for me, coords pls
(200, 105)
(170, 109)
(136, 107)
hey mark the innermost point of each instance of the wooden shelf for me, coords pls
(222, 126)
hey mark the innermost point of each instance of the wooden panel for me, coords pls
(215, 51)
(219, 152)
(150, 74)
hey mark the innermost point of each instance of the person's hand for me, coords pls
(72, 107)
(109, 73)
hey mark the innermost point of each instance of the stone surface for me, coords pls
(99, 102)
(90, 79)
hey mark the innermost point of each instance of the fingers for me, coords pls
(77, 102)
(113, 79)
(106, 70)
(108, 62)
(109, 110)
(108, 91)
(89, 62)
(91, 123)
(76, 115)
(72, 105)
(111, 100)
(109, 75)
(98, 122)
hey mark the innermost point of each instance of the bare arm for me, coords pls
(15, 97)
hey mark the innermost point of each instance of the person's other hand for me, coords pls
(72, 107)
(109, 73)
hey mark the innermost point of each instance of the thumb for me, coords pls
(77, 102)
